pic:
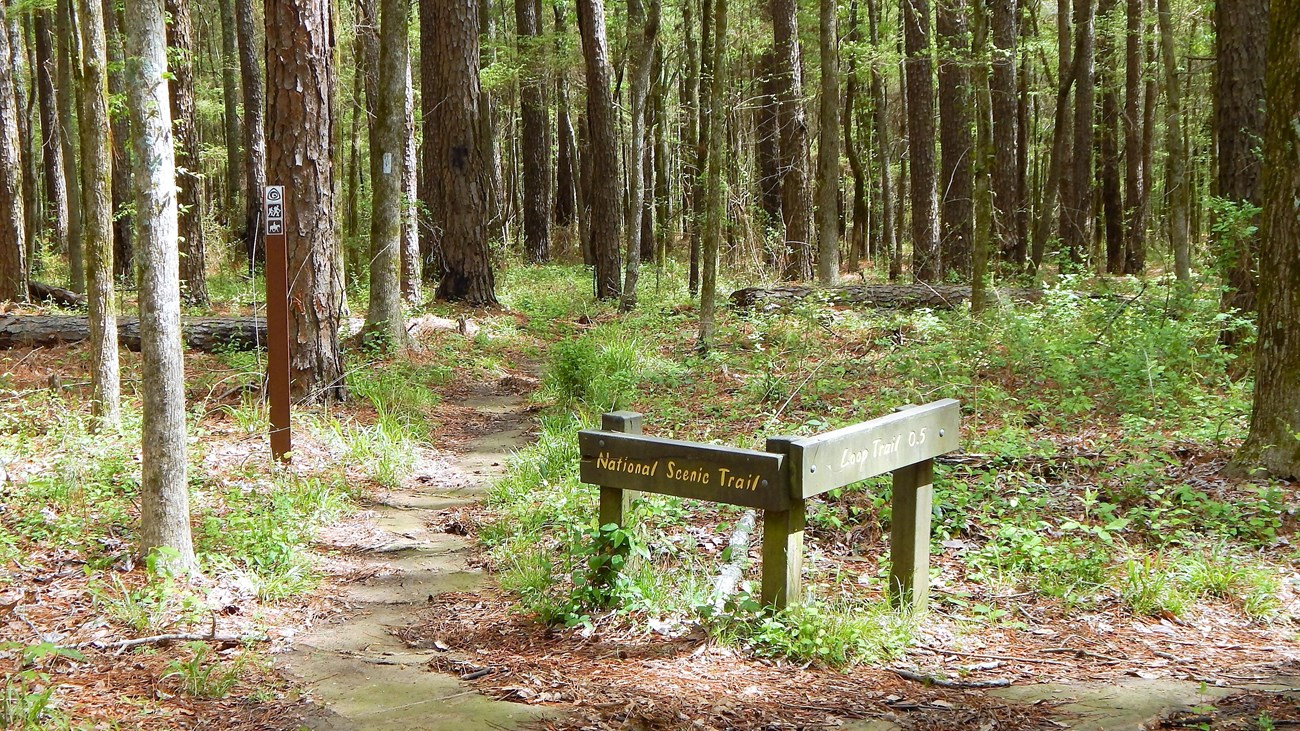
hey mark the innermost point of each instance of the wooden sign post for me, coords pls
(277, 321)
(780, 480)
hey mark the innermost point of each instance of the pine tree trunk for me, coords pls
(56, 184)
(858, 238)
(1112, 205)
(716, 79)
(495, 186)
(300, 127)
(1007, 195)
(69, 139)
(123, 250)
(13, 239)
(796, 194)
(1175, 143)
(164, 491)
(663, 200)
(411, 257)
(97, 189)
(432, 93)
(643, 28)
(767, 155)
(603, 191)
(1076, 233)
(957, 224)
(699, 61)
(1059, 165)
(1135, 183)
(984, 164)
(458, 154)
(920, 139)
(189, 162)
(1275, 419)
(535, 140)
(230, 110)
(255, 125)
(1238, 125)
(889, 234)
(566, 191)
(385, 326)
(31, 199)
(828, 150)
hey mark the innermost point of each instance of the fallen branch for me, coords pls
(942, 683)
(1006, 658)
(39, 291)
(123, 645)
(888, 296)
(201, 333)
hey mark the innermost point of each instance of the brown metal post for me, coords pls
(277, 321)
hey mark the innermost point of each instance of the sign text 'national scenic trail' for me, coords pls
(779, 480)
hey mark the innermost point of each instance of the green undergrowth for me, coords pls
(1092, 424)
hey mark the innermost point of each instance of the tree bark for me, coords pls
(97, 187)
(926, 264)
(767, 155)
(69, 140)
(858, 238)
(1239, 125)
(957, 224)
(188, 172)
(255, 152)
(18, 70)
(796, 196)
(1112, 205)
(208, 334)
(1007, 195)
(828, 150)
(123, 249)
(1060, 164)
(1176, 187)
(300, 76)
(889, 235)
(230, 109)
(714, 206)
(1275, 419)
(1076, 233)
(412, 261)
(536, 142)
(643, 29)
(983, 166)
(458, 154)
(13, 238)
(430, 190)
(56, 183)
(698, 61)
(566, 191)
(164, 491)
(385, 327)
(1135, 183)
(604, 192)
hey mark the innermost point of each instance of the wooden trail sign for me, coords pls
(277, 320)
(780, 479)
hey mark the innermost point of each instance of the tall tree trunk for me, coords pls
(1176, 188)
(411, 258)
(13, 239)
(984, 163)
(1076, 207)
(767, 154)
(164, 491)
(230, 109)
(385, 326)
(69, 141)
(603, 196)
(300, 131)
(889, 235)
(1238, 125)
(699, 61)
(1275, 419)
(458, 154)
(56, 185)
(255, 125)
(861, 215)
(1061, 161)
(535, 140)
(432, 93)
(920, 139)
(189, 162)
(1135, 183)
(957, 224)
(123, 235)
(566, 191)
(97, 191)
(1007, 195)
(1112, 206)
(663, 208)
(796, 197)
(828, 150)
(31, 198)
(643, 28)
(714, 211)
(496, 200)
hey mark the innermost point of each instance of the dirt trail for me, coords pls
(361, 677)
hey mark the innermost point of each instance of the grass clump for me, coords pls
(833, 634)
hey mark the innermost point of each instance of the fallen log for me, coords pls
(40, 292)
(207, 334)
(887, 296)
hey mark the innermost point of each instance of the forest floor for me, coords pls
(1050, 572)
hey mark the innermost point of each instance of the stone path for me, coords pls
(360, 676)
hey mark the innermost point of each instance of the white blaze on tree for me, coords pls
(165, 510)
